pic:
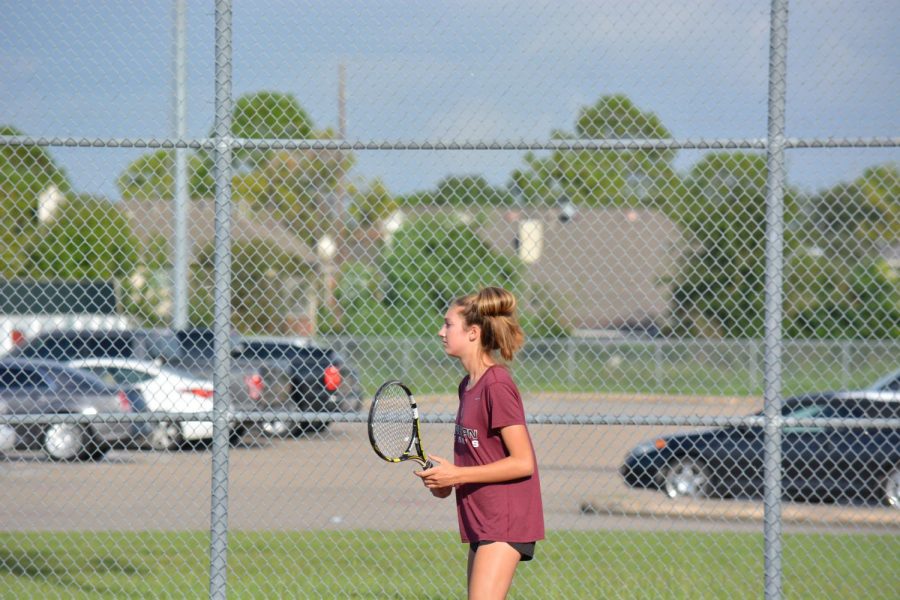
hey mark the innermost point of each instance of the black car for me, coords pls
(40, 387)
(819, 463)
(320, 379)
(267, 374)
(888, 383)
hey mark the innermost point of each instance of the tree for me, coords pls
(299, 188)
(25, 173)
(152, 177)
(266, 115)
(858, 218)
(89, 238)
(880, 186)
(432, 260)
(259, 115)
(828, 299)
(464, 190)
(147, 293)
(837, 284)
(268, 286)
(604, 177)
(359, 293)
(718, 290)
(371, 203)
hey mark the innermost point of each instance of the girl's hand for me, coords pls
(440, 478)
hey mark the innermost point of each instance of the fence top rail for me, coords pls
(507, 144)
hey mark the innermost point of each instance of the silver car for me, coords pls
(37, 387)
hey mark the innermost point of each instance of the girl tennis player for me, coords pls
(494, 471)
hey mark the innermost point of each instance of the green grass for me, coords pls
(690, 367)
(370, 564)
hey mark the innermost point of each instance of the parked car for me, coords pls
(7, 433)
(270, 374)
(39, 387)
(819, 463)
(321, 380)
(164, 389)
(890, 383)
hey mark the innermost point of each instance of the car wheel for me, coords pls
(686, 477)
(68, 441)
(892, 488)
(166, 436)
(275, 428)
(236, 435)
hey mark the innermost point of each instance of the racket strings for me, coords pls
(392, 421)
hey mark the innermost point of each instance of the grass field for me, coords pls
(706, 368)
(374, 564)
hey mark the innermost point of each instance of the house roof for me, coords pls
(153, 218)
(602, 268)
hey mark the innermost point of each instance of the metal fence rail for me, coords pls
(688, 304)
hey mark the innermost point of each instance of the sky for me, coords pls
(456, 71)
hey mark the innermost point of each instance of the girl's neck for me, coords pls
(477, 369)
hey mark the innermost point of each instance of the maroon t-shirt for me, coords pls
(510, 511)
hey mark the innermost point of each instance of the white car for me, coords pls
(164, 389)
(7, 433)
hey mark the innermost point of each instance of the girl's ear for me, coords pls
(474, 333)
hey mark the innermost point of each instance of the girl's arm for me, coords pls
(519, 463)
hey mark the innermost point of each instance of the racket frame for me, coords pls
(414, 450)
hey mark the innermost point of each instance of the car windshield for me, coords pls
(804, 412)
(888, 383)
(72, 345)
(799, 408)
(271, 351)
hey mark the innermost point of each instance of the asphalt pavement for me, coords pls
(335, 481)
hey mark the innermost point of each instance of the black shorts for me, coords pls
(526, 549)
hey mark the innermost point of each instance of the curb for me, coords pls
(749, 512)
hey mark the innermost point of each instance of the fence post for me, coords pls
(772, 519)
(218, 545)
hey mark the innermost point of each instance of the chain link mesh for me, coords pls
(185, 364)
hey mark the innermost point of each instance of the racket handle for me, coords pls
(428, 464)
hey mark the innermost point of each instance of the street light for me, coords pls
(326, 250)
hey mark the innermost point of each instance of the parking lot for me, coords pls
(334, 481)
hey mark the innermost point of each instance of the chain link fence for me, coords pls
(224, 226)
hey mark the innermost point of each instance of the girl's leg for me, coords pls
(491, 571)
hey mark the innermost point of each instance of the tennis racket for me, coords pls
(394, 425)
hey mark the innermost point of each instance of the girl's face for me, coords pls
(456, 337)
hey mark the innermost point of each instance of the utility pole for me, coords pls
(181, 201)
(342, 101)
(329, 246)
